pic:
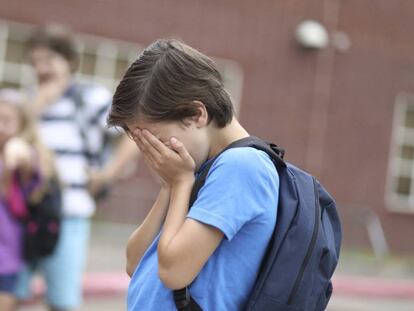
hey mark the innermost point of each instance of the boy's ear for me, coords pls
(200, 119)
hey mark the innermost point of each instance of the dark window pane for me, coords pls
(121, 67)
(407, 152)
(14, 51)
(88, 64)
(409, 118)
(11, 85)
(107, 70)
(403, 185)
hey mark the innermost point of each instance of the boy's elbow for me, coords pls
(171, 279)
(131, 262)
(172, 271)
(130, 269)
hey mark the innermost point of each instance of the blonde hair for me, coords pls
(28, 130)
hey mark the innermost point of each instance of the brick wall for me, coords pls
(331, 110)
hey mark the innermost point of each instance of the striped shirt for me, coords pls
(74, 128)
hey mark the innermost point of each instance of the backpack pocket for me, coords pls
(268, 303)
(324, 298)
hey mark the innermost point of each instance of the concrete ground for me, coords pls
(338, 303)
(91, 304)
(349, 303)
(105, 283)
(106, 257)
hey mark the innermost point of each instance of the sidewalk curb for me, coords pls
(94, 285)
(373, 287)
(116, 284)
(105, 284)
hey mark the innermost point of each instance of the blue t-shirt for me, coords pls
(239, 198)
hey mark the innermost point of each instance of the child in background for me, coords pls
(23, 163)
(71, 120)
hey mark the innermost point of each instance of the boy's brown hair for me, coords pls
(58, 39)
(163, 82)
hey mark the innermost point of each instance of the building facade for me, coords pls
(344, 112)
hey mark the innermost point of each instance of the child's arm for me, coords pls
(125, 154)
(185, 244)
(143, 236)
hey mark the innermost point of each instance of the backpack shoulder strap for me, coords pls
(182, 297)
(276, 154)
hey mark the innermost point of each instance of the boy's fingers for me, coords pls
(145, 148)
(148, 147)
(180, 148)
(155, 142)
(148, 157)
(134, 136)
(149, 160)
(139, 144)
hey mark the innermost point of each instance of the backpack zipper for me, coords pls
(310, 248)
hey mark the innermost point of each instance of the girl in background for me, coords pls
(24, 163)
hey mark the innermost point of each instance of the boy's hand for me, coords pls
(173, 165)
(157, 177)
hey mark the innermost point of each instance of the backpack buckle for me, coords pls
(181, 298)
(279, 151)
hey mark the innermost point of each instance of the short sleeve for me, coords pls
(240, 185)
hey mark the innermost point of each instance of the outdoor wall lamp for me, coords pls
(311, 34)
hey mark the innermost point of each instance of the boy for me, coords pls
(54, 59)
(172, 102)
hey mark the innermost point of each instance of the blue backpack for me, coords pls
(302, 255)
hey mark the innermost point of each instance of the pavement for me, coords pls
(361, 283)
(105, 282)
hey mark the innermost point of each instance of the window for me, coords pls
(400, 194)
(102, 60)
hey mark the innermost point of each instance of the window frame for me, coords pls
(401, 136)
(103, 49)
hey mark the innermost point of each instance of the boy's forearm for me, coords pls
(142, 237)
(177, 212)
